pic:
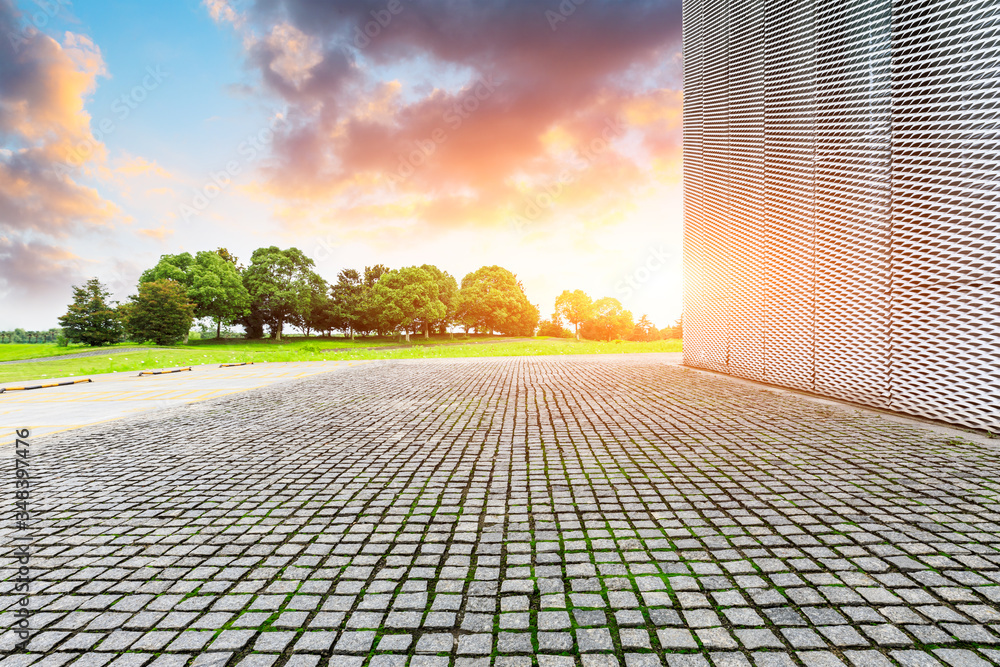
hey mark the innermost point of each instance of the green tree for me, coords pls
(370, 318)
(405, 296)
(346, 297)
(279, 284)
(575, 307)
(228, 256)
(447, 295)
(314, 315)
(216, 289)
(491, 299)
(170, 267)
(91, 319)
(608, 320)
(161, 313)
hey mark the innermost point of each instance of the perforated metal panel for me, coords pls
(702, 314)
(853, 92)
(789, 188)
(946, 219)
(746, 192)
(842, 169)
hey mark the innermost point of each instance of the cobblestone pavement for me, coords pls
(511, 512)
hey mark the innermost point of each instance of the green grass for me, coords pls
(208, 352)
(13, 351)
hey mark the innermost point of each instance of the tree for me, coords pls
(608, 320)
(279, 283)
(170, 267)
(645, 331)
(228, 256)
(492, 299)
(161, 313)
(314, 316)
(369, 317)
(447, 295)
(91, 319)
(346, 297)
(216, 289)
(575, 307)
(405, 296)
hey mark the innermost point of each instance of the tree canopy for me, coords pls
(279, 284)
(216, 289)
(447, 295)
(170, 267)
(160, 313)
(405, 296)
(91, 319)
(608, 321)
(575, 307)
(491, 299)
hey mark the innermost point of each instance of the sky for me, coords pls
(540, 135)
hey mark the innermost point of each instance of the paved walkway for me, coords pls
(116, 395)
(588, 511)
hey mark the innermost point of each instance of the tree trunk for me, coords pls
(427, 330)
(277, 331)
(578, 331)
(218, 328)
(407, 330)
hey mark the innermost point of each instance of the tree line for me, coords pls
(603, 319)
(280, 287)
(22, 336)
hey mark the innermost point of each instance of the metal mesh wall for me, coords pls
(789, 188)
(852, 200)
(842, 164)
(746, 194)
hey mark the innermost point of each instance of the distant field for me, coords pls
(301, 349)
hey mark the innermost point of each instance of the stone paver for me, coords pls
(535, 511)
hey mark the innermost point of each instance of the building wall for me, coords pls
(841, 180)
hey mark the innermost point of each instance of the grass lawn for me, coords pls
(12, 351)
(209, 352)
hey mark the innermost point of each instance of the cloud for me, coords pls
(33, 272)
(158, 233)
(496, 95)
(45, 130)
(132, 166)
